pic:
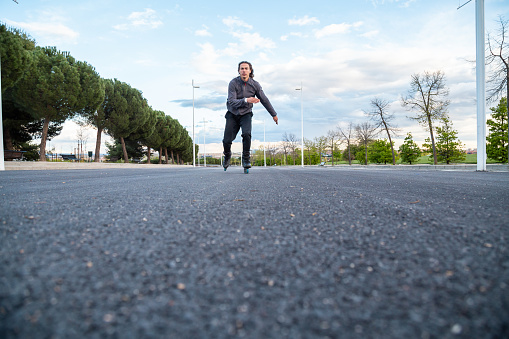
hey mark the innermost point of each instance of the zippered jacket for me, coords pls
(238, 91)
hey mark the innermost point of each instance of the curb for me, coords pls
(453, 167)
(39, 165)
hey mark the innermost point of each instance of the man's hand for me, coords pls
(253, 100)
(275, 119)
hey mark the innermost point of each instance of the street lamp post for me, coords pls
(264, 145)
(481, 85)
(194, 150)
(302, 126)
(204, 153)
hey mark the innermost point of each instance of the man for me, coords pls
(243, 93)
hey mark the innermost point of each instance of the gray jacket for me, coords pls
(238, 91)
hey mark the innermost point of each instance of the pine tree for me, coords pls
(409, 150)
(127, 111)
(51, 91)
(448, 146)
(496, 147)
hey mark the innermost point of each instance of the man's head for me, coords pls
(246, 70)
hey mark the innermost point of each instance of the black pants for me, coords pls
(233, 124)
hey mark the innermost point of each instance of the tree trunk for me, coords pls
(148, 155)
(124, 150)
(349, 155)
(44, 137)
(172, 158)
(160, 154)
(97, 156)
(390, 141)
(507, 101)
(166, 155)
(432, 141)
(178, 159)
(435, 161)
(392, 149)
(366, 153)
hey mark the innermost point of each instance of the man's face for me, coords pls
(244, 71)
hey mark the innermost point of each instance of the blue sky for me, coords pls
(344, 52)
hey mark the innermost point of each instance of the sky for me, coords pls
(343, 54)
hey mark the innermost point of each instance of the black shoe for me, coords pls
(226, 160)
(246, 163)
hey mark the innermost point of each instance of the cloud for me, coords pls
(336, 29)
(263, 56)
(305, 20)
(248, 42)
(339, 84)
(212, 102)
(233, 22)
(339, 80)
(147, 19)
(53, 33)
(245, 42)
(203, 32)
(297, 34)
(206, 61)
(370, 34)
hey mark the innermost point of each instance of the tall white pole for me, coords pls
(204, 153)
(2, 165)
(264, 145)
(194, 147)
(481, 86)
(302, 127)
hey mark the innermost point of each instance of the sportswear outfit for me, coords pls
(240, 114)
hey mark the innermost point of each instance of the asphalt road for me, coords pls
(278, 253)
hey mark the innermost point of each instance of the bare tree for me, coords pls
(271, 150)
(82, 138)
(427, 97)
(281, 153)
(285, 147)
(347, 135)
(498, 59)
(383, 120)
(365, 132)
(291, 142)
(333, 139)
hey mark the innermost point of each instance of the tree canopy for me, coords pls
(496, 147)
(448, 146)
(43, 87)
(409, 150)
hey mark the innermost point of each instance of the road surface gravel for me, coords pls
(278, 253)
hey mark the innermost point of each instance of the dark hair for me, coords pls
(251, 75)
